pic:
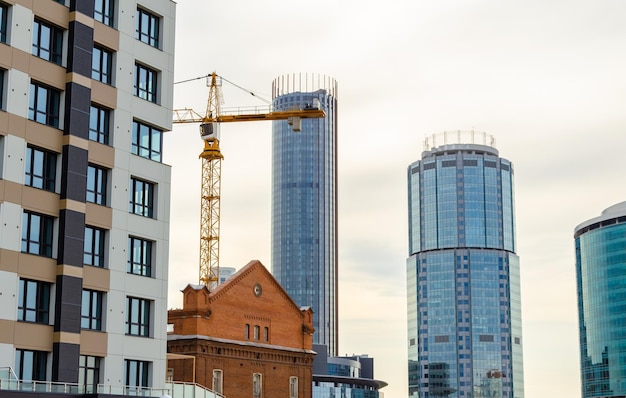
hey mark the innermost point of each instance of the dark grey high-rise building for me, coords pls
(463, 283)
(304, 200)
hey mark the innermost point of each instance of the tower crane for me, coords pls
(212, 163)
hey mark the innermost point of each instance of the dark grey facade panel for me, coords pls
(74, 173)
(77, 107)
(83, 6)
(80, 47)
(69, 293)
(71, 237)
(65, 362)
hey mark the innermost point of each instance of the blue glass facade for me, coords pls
(304, 203)
(601, 283)
(463, 293)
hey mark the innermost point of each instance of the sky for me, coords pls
(546, 78)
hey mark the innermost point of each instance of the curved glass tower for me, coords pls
(463, 283)
(601, 284)
(304, 200)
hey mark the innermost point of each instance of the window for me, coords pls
(101, 65)
(47, 42)
(37, 234)
(96, 185)
(145, 83)
(139, 256)
(30, 365)
(91, 310)
(2, 95)
(103, 11)
(89, 373)
(217, 381)
(147, 141)
(93, 253)
(34, 301)
(257, 387)
(4, 10)
(137, 316)
(142, 197)
(136, 373)
(44, 106)
(293, 387)
(266, 333)
(41, 167)
(246, 333)
(256, 332)
(99, 124)
(147, 27)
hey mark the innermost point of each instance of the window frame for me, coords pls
(47, 45)
(2, 94)
(141, 370)
(99, 124)
(89, 374)
(140, 256)
(147, 27)
(43, 244)
(49, 116)
(147, 141)
(4, 22)
(138, 317)
(142, 198)
(97, 180)
(91, 310)
(218, 381)
(94, 246)
(40, 313)
(102, 64)
(257, 385)
(256, 332)
(146, 83)
(293, 387)
(44, 162)
(104, 11)
(39, 368)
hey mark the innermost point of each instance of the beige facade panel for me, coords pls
(7, 330)
(37, 267)
(101, 154)
(44, 136)
(33, 336)
(103, 94)
(8, 261)
(106, 36)
(4, 121)
(5, 57)
(48, 73)
(78, 79)
(96, 278)
(93, 343)
(54, 12)
(40, 201)
(10, 192)
(98, 216)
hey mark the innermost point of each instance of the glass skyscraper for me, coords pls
(304, 200)
(463, 283)
(601, 283)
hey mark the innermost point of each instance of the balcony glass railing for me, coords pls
(9, 381)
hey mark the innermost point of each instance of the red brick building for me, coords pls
(247, 338)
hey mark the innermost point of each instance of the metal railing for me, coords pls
(9, 381)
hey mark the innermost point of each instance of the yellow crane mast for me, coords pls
(212, 163)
